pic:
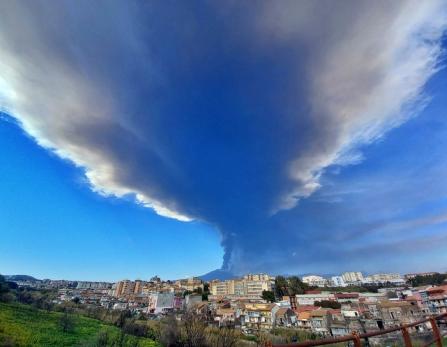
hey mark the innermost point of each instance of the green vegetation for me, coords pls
(328, 304)
(435, 279)
(290, 286)
(23, 325)
(268, 295)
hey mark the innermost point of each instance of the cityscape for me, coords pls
(221, 173)
(280, 309)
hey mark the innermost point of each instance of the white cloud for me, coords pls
(369, 64)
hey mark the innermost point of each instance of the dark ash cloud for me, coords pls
(225, 113)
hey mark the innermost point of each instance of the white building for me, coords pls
(93, 285)
(161, 302)
(191, 300)
(384, 278)
(309, 299)
(352, 277)
(337, 281)
(314, 280)
(373, 297)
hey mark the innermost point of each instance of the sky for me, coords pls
(173, 139)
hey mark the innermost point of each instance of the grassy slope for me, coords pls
(30, 327)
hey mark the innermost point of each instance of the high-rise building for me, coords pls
(337, 281)
(249, 285)
(138, 287)
(124, 287)
(352, 277)
(314, 280)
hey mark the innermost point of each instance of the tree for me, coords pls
(290, 286)
(123, 315)
(225, 337)
(135, 329)
(206, 287)
(102, 339)
(268, 295)
(296, 286)
(198, 290)
(5, 294)
(261, 338)
(194, 330)
(169, 333)
(281, 286)
(186, 293)
(435, 279)
(66, 323)
(328, 304)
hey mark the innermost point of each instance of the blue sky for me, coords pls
(54, 226)
(282, 137)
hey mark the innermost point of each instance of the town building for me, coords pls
(257, 317)
(190, 284)
(249, 285)
(124, 287)
(160, 303)
(399, 312)
(337, 281)
(310, 297)
(315, 281)
(284, 316)
(93, 285)
(435, 299)
(352, 277)
(225, 317)
(382, 278)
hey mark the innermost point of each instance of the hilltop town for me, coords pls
(262, 304)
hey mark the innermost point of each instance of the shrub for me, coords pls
(66, 323)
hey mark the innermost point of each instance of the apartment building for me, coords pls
(127, 287)
(352, 277)
(314, 280)
(257, 317)
(124, 287)
(384, 278)
(93, 285)
(310, 298)
(435, 299)
(190, 284)
(249, 285)
(160, 303)
(337, 281)
(399, 312)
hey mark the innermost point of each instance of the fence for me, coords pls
(356, 338)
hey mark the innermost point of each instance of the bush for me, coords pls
(135, 329)
(224, 337)
(103, 339)
(193, 330)
(169, 334)
(328, 304)
(66, 323)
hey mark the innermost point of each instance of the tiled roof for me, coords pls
(305, 315)
(282, 311)
(394, 303)
(346, 295)
(303, 308)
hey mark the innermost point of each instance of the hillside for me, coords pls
(20, 278)
(22, 325)
(218, 274)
